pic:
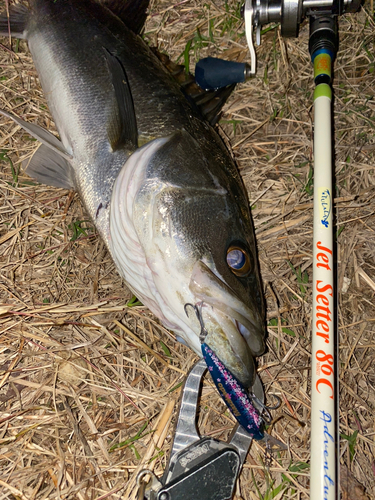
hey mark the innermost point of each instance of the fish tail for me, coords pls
(14, 21)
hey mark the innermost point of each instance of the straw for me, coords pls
(69, 292)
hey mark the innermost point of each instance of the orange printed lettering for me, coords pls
(323, 325)
(324, 288)
(325, 249)
(324, 381)
(322, 299)
(324, 336)
(326, 310)
(323, 257)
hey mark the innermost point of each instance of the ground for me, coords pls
(89, 385)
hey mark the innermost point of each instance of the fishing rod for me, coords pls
(323, 45)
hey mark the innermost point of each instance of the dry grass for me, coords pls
(84, 405)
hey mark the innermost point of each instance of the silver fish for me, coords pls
(156, 179)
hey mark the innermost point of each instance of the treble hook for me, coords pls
(198, 313)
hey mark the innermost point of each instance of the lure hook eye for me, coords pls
(277, 404)
(198, 313)
(266, 415)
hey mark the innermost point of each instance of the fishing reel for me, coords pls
(214, 73)
(290, 13)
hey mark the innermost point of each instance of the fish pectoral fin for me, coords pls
(48, 167)
(41, 134)
(18, 15)
(122, 127)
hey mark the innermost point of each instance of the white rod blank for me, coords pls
(323, 435)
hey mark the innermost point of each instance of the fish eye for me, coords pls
(238, 261)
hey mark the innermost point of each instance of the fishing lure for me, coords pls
(239, 401)
(234, 394)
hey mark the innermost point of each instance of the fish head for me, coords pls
(191, 216)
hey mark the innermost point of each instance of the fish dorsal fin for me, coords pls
(122, 126)
(41, 134)
(131, 12)
(48, 167)
(209, 102)
(18, 15)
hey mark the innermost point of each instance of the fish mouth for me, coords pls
(235, 331)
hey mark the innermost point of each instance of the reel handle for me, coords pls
(212, 73)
